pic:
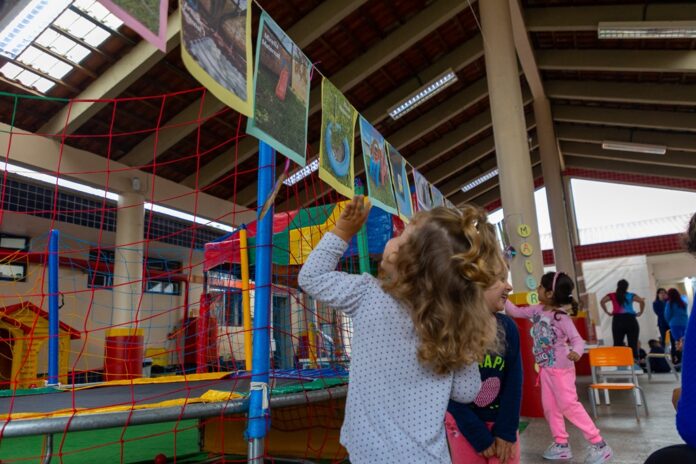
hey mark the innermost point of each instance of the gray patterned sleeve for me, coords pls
(466, 384)
(320, 279)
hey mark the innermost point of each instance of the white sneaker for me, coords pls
(599, 453)
(558, 452)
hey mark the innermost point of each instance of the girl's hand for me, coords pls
(504, 450)
(489, 452)
(352, 218)
(573, 356)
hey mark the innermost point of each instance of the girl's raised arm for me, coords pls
(525, 312)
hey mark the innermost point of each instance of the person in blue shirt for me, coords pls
(485, 431)
(675, 314)
(624, 324)
(659, 310)
(685, 398)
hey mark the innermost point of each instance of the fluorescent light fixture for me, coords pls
(302, 173)
(480, 180)
(421, 95)
(647, 30)
(82, 188)
(634, 147)
(31, 21)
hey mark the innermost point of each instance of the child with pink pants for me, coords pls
(557, 345)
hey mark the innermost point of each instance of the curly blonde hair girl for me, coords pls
(441, 270)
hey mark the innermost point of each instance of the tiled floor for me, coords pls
(632, 441)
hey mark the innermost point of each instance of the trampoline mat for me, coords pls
(126, 395)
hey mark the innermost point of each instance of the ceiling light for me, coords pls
(302, 173)
(635, 147)
(480, 180)
(31, 21)
(647, 30)
(421, 95)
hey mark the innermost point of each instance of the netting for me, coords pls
(151, 356)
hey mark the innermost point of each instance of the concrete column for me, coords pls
(555, 195)
(510, 134)
(123, 352)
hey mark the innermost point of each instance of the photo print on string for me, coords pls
(337, 140)
(423, 198)
(379, 181)
(437, 197)
(147, 18)
(216, 49)
(281, 92)
(402, 187)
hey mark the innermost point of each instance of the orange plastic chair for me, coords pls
(614, 356)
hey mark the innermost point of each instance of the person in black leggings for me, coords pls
(624, 323)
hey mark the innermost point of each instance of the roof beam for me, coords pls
(665, 120)
(598, 134)
(473, 171)
(525, 51)
(112, 82)
(371, 61)
(586, 18)
(489, 191)
(590, 150)
(618, 60)
(308, 29)
(629, 167)
(624, 92)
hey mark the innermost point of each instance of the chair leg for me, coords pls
(591, 393)
(645, 403)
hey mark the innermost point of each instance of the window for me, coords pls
(226, 306)
(13, 272)
(14, 243)
(163, 287)
(165, 265)
(97, 279)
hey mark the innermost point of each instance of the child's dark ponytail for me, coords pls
(562, 286)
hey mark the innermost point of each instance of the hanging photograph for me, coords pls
(402, 187)
(423, 198)
(379, 182)
(438, 199)
(146, 17)
(216, 48)
(281, 92)
(337, 135)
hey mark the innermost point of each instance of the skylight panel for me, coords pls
(77, 53)
(66, 20)
(11, 70)
(96, 36)
(27, 78)
(43, 85)
(44, 62)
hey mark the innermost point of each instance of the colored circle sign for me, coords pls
(531, 282)
(526, 249)
(532, 298)
(529, 266)
(523, 230)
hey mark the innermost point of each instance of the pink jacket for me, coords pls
(554, 335)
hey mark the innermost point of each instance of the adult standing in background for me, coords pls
(677, 318)
(624, 322)
(659, 310)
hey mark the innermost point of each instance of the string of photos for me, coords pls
(275, 99)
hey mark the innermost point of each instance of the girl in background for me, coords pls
(557, 346)
(418, 330)
(485, 431)
(624, 323)
(676, 316)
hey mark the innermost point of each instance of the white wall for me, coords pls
(601, 277)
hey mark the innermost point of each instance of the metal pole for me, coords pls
(53, 316)
(259, 392)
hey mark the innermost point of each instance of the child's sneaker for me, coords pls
(599, 453)
(558, 452)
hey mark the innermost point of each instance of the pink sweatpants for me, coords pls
(560, 399)
(463, 453)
